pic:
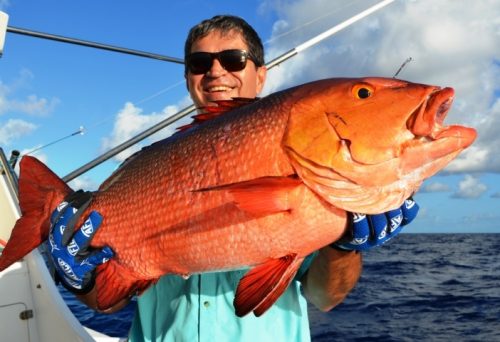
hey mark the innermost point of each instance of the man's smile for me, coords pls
(214, 89)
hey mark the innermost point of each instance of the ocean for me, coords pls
(417, 287)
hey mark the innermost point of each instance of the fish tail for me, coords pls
(40, 191)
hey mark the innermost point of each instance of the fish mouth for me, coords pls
(434, 145)
(427, 120)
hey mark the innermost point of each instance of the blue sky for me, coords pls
(49, 89)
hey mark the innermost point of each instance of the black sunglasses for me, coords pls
(231, 60)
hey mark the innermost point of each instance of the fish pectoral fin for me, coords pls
(261, 287)
(262, 196)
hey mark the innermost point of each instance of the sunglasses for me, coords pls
(231, 60)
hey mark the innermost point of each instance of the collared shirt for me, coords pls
(201, 309)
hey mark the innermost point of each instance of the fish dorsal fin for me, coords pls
(261, 287)
(264, 195)
(227, 105)
(211, 112)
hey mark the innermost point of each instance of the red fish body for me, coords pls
(263, 185)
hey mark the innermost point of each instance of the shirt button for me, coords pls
(206, 303)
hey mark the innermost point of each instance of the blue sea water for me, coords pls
(419, 287)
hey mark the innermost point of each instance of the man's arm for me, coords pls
(337, 268)
(331, 276)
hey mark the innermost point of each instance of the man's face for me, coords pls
(218, 83)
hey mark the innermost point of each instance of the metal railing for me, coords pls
(7, 169)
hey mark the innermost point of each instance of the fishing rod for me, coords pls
(276, 61)
(80, 131)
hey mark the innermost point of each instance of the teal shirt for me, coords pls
(201, 309)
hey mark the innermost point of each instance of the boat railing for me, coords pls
(7, 169)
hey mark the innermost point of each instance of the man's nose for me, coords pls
(216, 70)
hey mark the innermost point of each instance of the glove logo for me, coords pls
(358, 217)
(383, 233)
(396, 222)
(62, 227)
(359, 241)
(62, 205)
(53, 245)
(66, 268)
(73, 248)
(86, 262)
(409, 203)
(87, 228)
(74, 284)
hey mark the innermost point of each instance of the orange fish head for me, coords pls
(365, 145)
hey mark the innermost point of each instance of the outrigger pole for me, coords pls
(114, 151)
(95, 45)
(278, 60)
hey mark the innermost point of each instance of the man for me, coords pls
(225, 59)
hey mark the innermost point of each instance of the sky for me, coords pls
(50, 90)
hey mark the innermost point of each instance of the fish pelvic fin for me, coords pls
(115, 283)
(40, 191)
(262, 196)
(261, 287)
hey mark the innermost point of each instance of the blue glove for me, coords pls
(368, 231)
(73, 259)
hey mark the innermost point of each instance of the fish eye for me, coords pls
(362, 91)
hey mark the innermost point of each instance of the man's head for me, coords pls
(212, 77)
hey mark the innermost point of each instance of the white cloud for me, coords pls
(452, 43)
(470, 187)
(484, 154)
(472, 159)
(14, 129)
(435, 187)
(130, 121)
(83, 182)
(29, 104)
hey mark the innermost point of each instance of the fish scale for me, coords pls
(261, 186)
(230, 157)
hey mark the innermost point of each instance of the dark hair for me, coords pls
(226, 24)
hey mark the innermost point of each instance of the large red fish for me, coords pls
(263, 185)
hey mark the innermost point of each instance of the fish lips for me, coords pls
(427, 120)
(434, 144)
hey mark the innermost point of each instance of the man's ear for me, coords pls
(261, 78)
